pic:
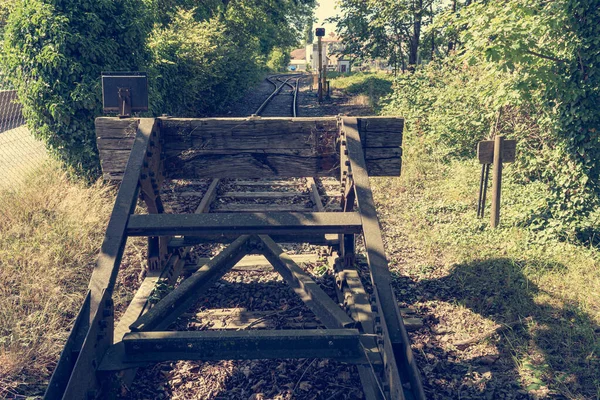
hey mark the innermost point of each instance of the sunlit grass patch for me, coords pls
(544, 294)
(51, 230)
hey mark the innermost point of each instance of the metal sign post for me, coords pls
(320, 33)
(497, 152)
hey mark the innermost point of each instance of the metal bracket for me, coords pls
(124, 102)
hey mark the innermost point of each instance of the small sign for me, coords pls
(320, 32)
(485, 151)
(127, 90)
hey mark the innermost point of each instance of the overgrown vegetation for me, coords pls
(51, 229)
(524, 69)
(375, 87)
(469, 280)
(54, 52)
(199, 57)
(541, 293)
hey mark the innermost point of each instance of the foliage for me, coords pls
(446, 259)
(197, 67)
(54, 52)
(383, 28)
(199, 56)
(375, 86)
(279, 59)
(51, 230)
(524, 69)
(5, 8)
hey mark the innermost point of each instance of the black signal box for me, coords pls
(124, 92)
(320, 32)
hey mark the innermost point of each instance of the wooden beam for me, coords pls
(268, 163)
(153, 347)
(328, 312)
(262, 195)
(252, 148)
(254, 261)
(261, 208)
(251, 223)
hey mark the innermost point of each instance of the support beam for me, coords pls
(208, 198)
(314, 194)
(328, 312)
(238, 224)
(166, 311)
(153, 347)
(94, 332)
(396, 344)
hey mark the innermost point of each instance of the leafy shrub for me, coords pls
(375, 86)
(525, 70)
(197, 67)
(279, 59)
(54, 52)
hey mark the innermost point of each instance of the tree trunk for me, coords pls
(451, 42)
(416, 37)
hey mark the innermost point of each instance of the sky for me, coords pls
(325, 10)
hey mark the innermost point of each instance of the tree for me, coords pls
(383, 28)
(54, 52)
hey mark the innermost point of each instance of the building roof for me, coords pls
(299, 54)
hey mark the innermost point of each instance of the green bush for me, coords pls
(526, 70)
(197, 67)
(54, 52)
(279, 59)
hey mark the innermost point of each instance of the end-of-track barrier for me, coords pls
(362, 328)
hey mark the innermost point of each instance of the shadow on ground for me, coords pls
(546, 347)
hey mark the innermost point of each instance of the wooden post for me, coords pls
(320, 69)
(497, 183)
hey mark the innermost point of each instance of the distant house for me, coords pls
(334, 61)
(298, 60)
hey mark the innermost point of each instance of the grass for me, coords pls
(533, 300)
(51, 230)
(502, 276)
(369, 88)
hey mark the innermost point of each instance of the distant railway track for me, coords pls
(263, 194)
(276, 103)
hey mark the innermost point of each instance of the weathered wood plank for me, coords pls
(384, 161)
(254, 208)
(258, 261)
(381, 131)
(263, 195)
(269, 163)
(244, 148)
(248, 134)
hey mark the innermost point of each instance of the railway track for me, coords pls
(277, 105)
(271, 221)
